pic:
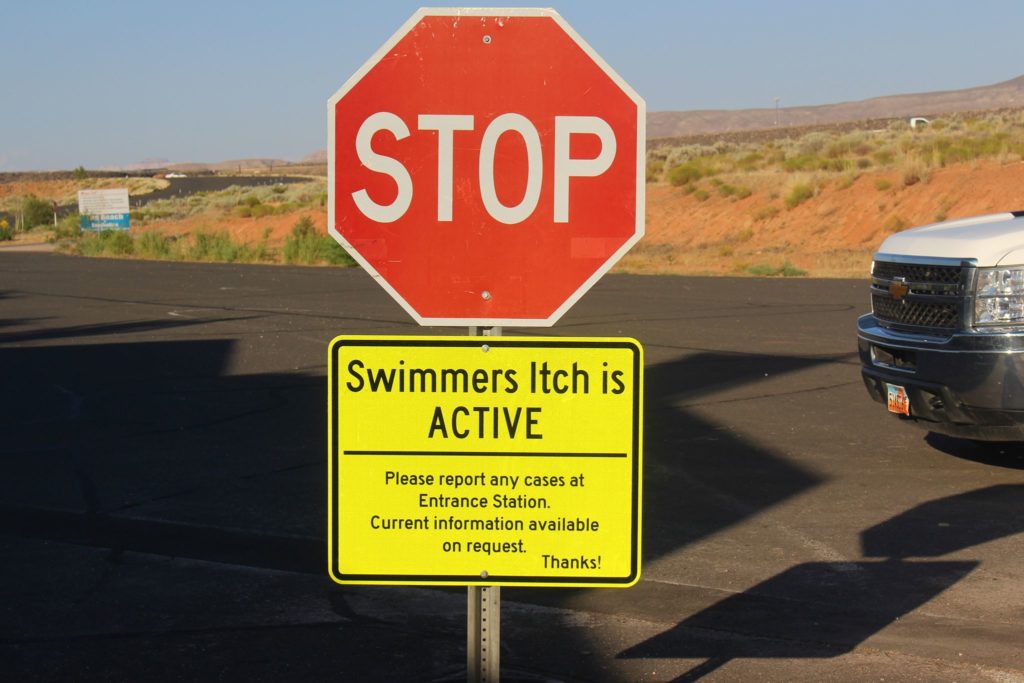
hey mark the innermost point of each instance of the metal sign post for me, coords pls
(483, 634)
(483, 612)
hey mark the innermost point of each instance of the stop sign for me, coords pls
(486, 166)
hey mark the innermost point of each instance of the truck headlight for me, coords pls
(999, 296)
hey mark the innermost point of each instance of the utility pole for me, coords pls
(776, 112)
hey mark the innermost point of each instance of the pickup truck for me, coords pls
(943, 346)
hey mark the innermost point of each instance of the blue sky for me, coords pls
(110, 82)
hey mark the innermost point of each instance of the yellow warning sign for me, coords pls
(484, 460)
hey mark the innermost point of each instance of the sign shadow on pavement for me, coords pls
(156, 447)
(826, 609)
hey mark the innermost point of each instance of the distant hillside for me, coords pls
(237, 165)
(318, 157)
(1007, 95)
(688, 124)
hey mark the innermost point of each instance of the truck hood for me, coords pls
(990, 240)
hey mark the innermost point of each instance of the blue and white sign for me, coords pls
(104, 209)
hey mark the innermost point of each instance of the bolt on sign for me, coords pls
(486, 166)
(484, 461)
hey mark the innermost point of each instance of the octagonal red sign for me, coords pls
(486, 167)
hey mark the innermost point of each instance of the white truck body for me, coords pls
(944, 344)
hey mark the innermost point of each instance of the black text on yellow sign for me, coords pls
(484, 460)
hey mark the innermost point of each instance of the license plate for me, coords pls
(898, 401)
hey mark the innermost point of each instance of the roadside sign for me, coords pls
(104, 209)
(484, 461)
(486, 166)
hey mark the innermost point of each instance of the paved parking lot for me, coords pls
(163, 487)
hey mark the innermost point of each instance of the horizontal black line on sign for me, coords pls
(491, 453)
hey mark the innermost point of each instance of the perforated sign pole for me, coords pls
(483, 614)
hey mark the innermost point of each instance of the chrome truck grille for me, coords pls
(919, 297)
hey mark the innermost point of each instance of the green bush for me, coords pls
(107, 243)
(307, 246)
(6, 234)
(261, 210)
(685, 174)
(215, 246)
(70, 226)
(787, 269)
(798, 195)
(154, 245)
(36, 212)
(883, 157)
(80, 173)
(804, 162)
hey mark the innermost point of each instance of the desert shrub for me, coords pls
(307, 246)
(895, 223)
(6, 233)
(261, 250)
(215, 246)
(813, 143)
(883, 157)
(750, 162)
(787, 269)
(882, 184)
(800, 193)
(685, 174)
(766, 212)
(70, 226)
(912, 175)
(36, 212)
(80, 173)
(107, 243)
(701, 195)
(847, 180)
(154, 245)
(835, 165)
(803, 162)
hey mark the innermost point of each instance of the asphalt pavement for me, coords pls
(163, 494)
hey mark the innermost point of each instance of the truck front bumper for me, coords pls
(965, 385)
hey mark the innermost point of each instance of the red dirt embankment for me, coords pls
(831, 234)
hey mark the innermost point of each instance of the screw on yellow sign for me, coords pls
(484, 460)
